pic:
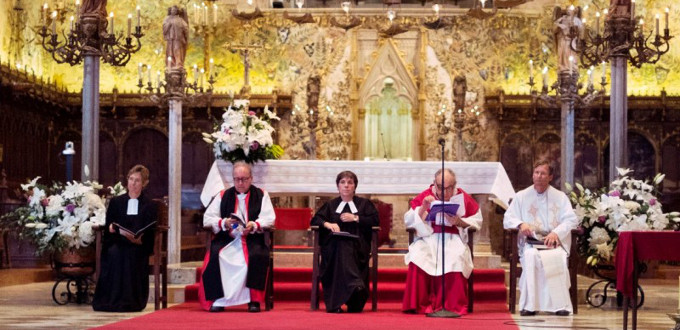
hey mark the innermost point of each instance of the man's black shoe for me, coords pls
(216, 309)
(253, 307)
(527, 313)
(562, 313)
(336, 311)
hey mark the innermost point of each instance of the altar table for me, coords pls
(317, 177)
(634, 246)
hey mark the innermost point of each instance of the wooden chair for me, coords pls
(512, 251)
(470, 243)
(372, 274)
(5, 261)
(159, 259)
(269, 242)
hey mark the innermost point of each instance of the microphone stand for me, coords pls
(443, 313)
(382, 138)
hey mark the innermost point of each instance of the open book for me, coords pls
(137, 233)
(537, 243)
(447, 208)
(238, 218)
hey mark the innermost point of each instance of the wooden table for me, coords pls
(634, 246)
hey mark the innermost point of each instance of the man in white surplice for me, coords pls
(237, 261)
(544, 213)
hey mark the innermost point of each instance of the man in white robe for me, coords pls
(545, 213)
(236, 264)
(423, 293)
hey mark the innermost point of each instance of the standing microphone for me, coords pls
(442, 141)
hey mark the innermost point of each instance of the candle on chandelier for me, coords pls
(139, 16)
(111, 23)
(129, 25)
(571, 64)
(54, 22)
(604, 71)
(632, 10)
(205, 15)
(44, 14)
(531, 69)
(590, 75)
(148, 70)
(666, 18)
(77, 9)
(201, 78)
(139, 71)
(169, 62)
(214, 14)
(545, 75)
(158, 79)
(195, 72)
(656, 24)
(212, 67)
(642, 26)
(71, 19)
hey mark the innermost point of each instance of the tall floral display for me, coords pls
(58, 217)
(628, 205)
(243, 136)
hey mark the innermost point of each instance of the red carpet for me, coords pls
(294, 285)
(296, 315)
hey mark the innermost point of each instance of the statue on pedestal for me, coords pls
(93, 7)
(568, 28)
(176, 35)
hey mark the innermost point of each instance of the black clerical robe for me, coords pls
(344, 260)
(123, 284)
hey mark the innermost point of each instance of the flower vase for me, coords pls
(75, 262)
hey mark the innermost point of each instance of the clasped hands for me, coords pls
(551, 240)
(251, 226)
(451, 219)
(344, 217)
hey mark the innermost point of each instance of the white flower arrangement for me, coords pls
(628, 205)
(58, 217)
(243, 136)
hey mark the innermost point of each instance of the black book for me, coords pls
(344, 234)
(537, 243)
(137, 233)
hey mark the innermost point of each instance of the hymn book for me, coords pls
(137, 233)
(447, 208)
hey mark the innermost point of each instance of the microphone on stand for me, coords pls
(442, 141)
(382, 138)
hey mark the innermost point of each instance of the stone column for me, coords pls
(618, 116)
(90, 121)
(568, 93)
(175, 79)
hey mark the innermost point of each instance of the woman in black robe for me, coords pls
(344, 258)
(123, 284)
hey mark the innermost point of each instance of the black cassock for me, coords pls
(344, 260)
(123, 284)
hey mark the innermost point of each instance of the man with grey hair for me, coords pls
(543, 214)
(236, 263)
(423, 292)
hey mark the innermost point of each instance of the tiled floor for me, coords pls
(30, 306)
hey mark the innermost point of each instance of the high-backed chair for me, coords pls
(5, 261)
(385, 212)
(294, 219)
(158, 261)
(512, 251)
(372, 273)
(470, 243)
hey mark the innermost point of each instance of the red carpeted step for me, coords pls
(294, 284)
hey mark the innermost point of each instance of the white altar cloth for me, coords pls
(317, 177)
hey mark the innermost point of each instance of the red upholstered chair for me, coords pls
(512, 252)
(385, 212)
(471, 238)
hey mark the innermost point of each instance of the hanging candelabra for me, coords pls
(88, 33)
(174, 84)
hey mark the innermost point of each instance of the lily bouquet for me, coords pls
(243, 136)
(58, 217)
(628, 205)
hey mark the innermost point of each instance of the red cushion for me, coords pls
(293, 219)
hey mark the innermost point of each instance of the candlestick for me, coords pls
(545, 76)
(129, 25)
(597, 23)
(139, 71)
(531, 69)
(666, 18)
(54, 22)
(632, 9)
(139, 16)
(148, 71)
(44, 15)
(656, 24)
(111, 24)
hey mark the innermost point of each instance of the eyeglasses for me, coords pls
(242, 180)
(449, 188)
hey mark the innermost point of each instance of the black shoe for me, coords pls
(336, 311)
(525, 312)
(216, 309)
(562, 313)
(253, 307)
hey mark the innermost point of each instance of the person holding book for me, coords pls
(237, 261)
(127, 243)
(458, 211)
(544, 215)
(345, 237)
